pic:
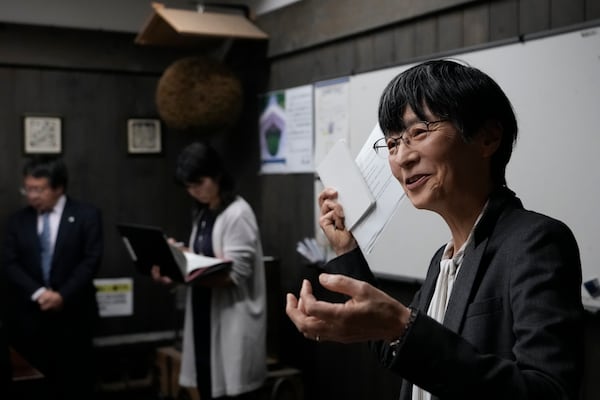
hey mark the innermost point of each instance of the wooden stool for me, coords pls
(168, 365)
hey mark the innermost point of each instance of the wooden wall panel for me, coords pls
(450, 31)
(277, 75)
(404, 43)
(10, 140)
(504, 21)
(565, 12)
(426, 37)
(384, 49)
(344, 58)
(365, 53)
(476, 25)
(288, 218)
(478, 22)
(592, 9)
(311, 22)
(324, 63)
(82, 49)
(292, 71)
(291, 214)
(534, 15)
(27, 94)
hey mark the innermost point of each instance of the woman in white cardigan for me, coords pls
(224, 339)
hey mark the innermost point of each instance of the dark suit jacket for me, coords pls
(76, 259)
(513, 327)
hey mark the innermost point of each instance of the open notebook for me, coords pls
(148, 246)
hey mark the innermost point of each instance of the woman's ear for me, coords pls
(491, 137)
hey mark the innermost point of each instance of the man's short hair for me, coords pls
(51, 167)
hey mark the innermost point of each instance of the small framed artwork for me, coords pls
(143, 136)
(42, 134)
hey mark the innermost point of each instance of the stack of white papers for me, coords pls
(311, 251)
(339, 171)
(386, 189)
(366, 188)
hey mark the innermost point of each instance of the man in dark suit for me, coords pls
(499, 315)
(52, 251)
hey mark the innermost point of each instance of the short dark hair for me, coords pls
(462, 94)
(51, 167)
(198, 160)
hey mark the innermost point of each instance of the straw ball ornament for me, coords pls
(199, 93)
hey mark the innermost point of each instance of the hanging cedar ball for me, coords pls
(199, 94)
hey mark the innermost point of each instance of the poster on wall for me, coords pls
(286, 131)
(114, 296)
(332, 105)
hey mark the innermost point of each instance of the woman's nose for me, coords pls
(404, 156)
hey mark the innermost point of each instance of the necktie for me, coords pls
(46, 247)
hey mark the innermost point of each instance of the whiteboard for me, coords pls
(554, 86)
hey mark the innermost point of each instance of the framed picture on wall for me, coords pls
(42, 134)
(144, 136)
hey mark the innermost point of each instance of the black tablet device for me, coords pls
(148, 246)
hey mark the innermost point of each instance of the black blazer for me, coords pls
(513, 327)
(76, 259)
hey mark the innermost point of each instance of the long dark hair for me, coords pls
(198, 160)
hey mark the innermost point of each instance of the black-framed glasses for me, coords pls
(411, 136)
(32, 190)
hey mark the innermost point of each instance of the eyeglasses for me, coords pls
(33, 190)
(412, 135)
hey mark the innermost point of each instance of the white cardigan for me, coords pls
(238, 319)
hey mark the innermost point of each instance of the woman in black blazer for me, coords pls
(499, 315)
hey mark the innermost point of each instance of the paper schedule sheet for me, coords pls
(385, 188)
(339, 171)
(367, 190)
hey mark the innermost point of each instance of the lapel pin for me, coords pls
(71, 219)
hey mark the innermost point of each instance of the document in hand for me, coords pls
(368, 192)
(148, 246)
(194, 266)
(384, 186)
(339, 171)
